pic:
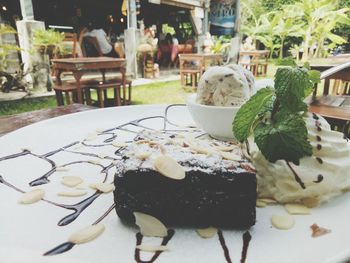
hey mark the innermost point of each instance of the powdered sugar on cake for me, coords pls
(204, 154)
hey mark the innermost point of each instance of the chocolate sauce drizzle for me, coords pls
(296, 176)
(224, 247)
(156, 254)
(246, 240)
(319, 179)
(79, 207)
(66, 246)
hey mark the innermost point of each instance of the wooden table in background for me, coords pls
(336, 115)
(195, 64)
(257, 60)
(79, 66)
(333, 69)
(14, 122)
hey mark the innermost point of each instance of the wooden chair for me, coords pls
(69, 92)
(337, 116)
(126, 90)
(71, 42)
(102, 97)
(262, 64)
(190, 69)
(250, 64)
(91, 47)
(340, 72)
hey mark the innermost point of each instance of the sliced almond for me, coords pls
(76, 193)
(119, 144)
(169, 167)
(103, 187)
(318, 231)
(230, 156)
(260, 203)
(311, 202)
(282, 222)
(32, 196)
(200, 149)
(148, 248)
(142, 141)
(207, 232)
(153, 143)
(143, 155)
(297, 209)
(71, 181)
(150, 226)
(223, 148)
(91, 137)
(87, 234)
(268, 200)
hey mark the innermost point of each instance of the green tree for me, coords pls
(273, 5)
(287, 26)
(266, 35)
(320, 18)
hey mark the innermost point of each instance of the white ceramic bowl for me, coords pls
(215, 120)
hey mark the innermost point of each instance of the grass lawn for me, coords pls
(156, 93)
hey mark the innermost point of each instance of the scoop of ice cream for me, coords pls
(230, 85)
(323, 175)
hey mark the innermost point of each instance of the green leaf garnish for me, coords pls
(286, 139)
(290, 85)
(279, 130)
(246, 115)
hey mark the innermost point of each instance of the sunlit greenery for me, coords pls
(309, 25)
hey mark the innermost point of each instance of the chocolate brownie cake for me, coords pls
(184, 181)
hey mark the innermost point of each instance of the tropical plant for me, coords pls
(320, 17)
(268, 22)
(286, 27)
(6, 49)
(221, 44)
(48, 41)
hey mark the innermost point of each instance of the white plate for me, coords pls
(28, 231)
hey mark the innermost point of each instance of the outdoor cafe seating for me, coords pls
(192, 66)
(86, 57)
(255, 61)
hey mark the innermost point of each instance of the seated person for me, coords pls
(107, 48)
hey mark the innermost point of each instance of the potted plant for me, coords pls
(10, 81)
(49, 42)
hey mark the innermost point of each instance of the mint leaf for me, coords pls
(247, 114)
(284, 139)
(290, 85)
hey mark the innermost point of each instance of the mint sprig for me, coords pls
(246, 115)
(285, 139)
(275, 117)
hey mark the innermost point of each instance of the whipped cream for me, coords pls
(322, 176)
(230, 85)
